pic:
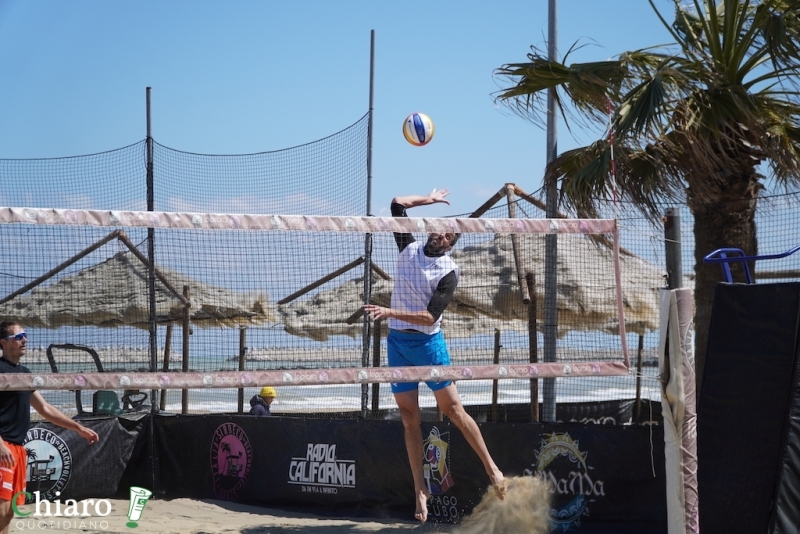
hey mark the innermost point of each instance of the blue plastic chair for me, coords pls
(721, 256)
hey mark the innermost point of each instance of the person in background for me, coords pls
(15, 419)
(423, 287)
(259, 404)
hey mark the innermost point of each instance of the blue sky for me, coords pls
(252, 76)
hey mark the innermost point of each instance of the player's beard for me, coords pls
(436, 245)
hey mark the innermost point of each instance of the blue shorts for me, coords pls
(407, 349)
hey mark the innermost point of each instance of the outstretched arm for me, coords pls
(52, 414)
(412, 201)
(400, 204)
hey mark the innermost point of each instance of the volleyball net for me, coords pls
(241, 301)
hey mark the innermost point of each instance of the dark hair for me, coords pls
(4, 327)
(455, 238)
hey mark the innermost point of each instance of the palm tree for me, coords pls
(693, 121)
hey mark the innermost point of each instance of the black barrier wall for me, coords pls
(61, 464)
(606, 478)
(748, 418)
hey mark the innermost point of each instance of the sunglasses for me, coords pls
(17, 337)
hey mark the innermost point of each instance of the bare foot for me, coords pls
(499, 483)
(421, 514)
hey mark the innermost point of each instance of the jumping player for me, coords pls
(424, 285)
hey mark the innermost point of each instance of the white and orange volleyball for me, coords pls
(418, 129)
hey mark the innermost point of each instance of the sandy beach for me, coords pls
(184, 516)
(525, 508)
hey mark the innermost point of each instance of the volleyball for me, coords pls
(418, 129)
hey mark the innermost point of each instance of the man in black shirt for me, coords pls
(424, 284)
(15, 418)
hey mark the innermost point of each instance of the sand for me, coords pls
(525, 509)
(185, 516)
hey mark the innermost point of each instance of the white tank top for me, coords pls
(415, 282)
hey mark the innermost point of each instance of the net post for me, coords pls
(368, 238)
(151, 253)
(365, 332)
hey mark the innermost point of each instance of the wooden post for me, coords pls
(376, 362)
(326, 278)
(52, 272)
(185, 349)
(486, 206)
(496, 361)
(533, 344)
(638, 412)
(242, 351)
(512, 214)
(167, 347)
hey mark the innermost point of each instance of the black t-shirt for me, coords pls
(15, 407)
(447, 285)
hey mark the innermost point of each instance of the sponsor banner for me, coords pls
(607, 475)
(599, 474)
(263, 460)
(231, 460)
(63, 465)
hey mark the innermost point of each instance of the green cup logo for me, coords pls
(139, 498)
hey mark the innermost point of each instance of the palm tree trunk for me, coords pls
(728, 221)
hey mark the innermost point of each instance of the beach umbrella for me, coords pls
(115, 293)
(586, 291)
(488, 294)
(335, 312)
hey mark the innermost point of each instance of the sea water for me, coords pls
(217, 350)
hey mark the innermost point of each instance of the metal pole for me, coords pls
(151, 263)
(151, 286)
(672, 244)
(370, 119)
(365, 337)
(551, 241)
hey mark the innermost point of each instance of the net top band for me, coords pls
(300, 223)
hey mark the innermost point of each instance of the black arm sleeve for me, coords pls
(402, 239)
(443, 295)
